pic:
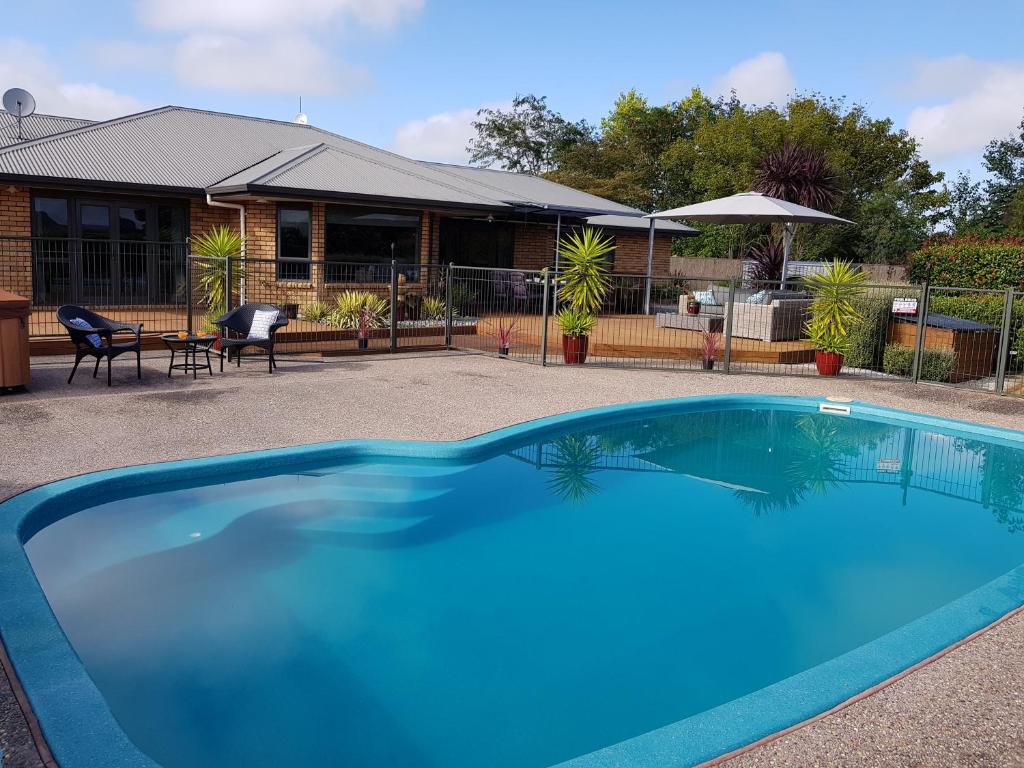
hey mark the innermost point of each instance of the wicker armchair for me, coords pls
(236, 326)
(93, 336)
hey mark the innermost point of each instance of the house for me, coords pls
(101, 213)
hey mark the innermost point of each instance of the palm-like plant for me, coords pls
(218, 246)
(576, 459)
(359, 310)
(584, 258)
(767, 257)
(832, 311)
(799, 175)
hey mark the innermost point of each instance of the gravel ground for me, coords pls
(965, 709)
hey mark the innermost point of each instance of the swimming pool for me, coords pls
(652, 584)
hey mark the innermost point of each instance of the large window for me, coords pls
(294, 242)
(475, 243)
(360, 243)
(107, 250)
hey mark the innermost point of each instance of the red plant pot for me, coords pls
(216, 344)
(828, 363)
(574, 349)
(693, 309)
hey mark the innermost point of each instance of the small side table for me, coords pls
(191, 346)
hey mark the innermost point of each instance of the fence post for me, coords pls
(1004, 341)
(727, 354)
(448, 309)
(188, 291)
(544, 320)
(393, 342)
(227, 284)
(922, 316)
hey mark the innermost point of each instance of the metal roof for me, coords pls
(334, 170)
(546, 194)
(193, 150)
(35, 126)
(639, 222)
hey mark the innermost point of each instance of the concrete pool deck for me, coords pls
(966, 708)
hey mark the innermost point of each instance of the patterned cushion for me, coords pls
(706, 298)
(92, 338)
(262, 319)
(757, 298)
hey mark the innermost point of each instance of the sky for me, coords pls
(409, 75)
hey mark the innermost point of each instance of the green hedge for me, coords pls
(867, 336)
(969, 262)
(936, 364)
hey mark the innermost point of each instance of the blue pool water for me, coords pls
(575, 589)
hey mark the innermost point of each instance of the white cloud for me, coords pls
(980, 101)
(27, 66)
(288, 64)
(762, 79)
(442, 137)
(262, 16)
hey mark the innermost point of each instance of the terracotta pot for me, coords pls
(574, 349)
(828, 363)
(693, 308)
(216, 344)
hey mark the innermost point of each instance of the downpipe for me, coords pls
(241, 227)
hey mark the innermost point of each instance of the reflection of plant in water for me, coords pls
(1003, 485)
(576, 458)
(816, 452)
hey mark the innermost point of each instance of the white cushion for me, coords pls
(706, 298)
(92, 338)
(262, 319)
(757, 298)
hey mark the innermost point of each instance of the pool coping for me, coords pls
(81, 730)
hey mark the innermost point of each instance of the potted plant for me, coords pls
(211, 329)
(832, 313)
(505, 336)
(366, 324)
(576, 326)
(692, 305)
(709, 348)
(584, 282)
(218, 246)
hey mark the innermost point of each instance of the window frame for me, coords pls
(411, 267)
(279, 260)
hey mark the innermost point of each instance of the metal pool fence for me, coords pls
(965, 338)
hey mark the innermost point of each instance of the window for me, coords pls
(108, 250)
(294, 241)
(359, 244)
(474, 243)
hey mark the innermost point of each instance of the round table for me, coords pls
(191, 346)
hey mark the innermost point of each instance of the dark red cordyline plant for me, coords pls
(767, 261)
(799, 175)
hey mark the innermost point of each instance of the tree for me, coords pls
(1004, 159)
(967, 206)
(799, 175)
(526, 138)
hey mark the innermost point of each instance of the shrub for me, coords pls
(936, 364)
(868, 335)
(463, 298)
(969, 262)
(316, 312)
(432, 308)
(350, 306)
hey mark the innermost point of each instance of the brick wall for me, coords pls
(535, 249)
(15, 255)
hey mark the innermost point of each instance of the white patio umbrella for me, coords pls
(753, 208)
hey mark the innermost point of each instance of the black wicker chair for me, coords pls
(98, 326)
(234, 332)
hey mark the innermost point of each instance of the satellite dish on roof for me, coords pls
(19, 103)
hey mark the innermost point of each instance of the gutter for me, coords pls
(241, 228)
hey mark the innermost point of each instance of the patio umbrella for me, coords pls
(753, 208)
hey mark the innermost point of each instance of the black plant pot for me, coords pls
(709, 365)
(503, 351)
(364, 343)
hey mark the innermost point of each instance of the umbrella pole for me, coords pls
(650, 268)
(558, 237)
(787, 247)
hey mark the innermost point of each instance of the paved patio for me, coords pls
(966, 709)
